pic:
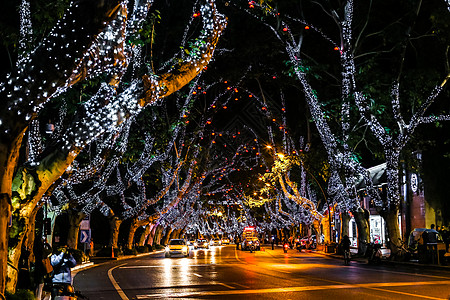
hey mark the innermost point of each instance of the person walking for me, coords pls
(345, 244)
(62, 261)
(42, 251)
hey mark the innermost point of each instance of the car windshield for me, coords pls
(176, 242)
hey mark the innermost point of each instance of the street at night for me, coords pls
(226, 273)
(224, 149)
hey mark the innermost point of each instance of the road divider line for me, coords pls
(375, 286)
(198, 275)
(115, 284)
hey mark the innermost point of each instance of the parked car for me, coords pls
(250, 241)
(202, 243)
(176, 246)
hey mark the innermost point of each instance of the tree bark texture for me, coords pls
(345, 220)
(392, 225)
(362, 223)
(75, 219)
(114, 223)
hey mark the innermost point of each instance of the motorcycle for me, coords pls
(251, 247)
(285, 247)
(373, 253)
(67, 292)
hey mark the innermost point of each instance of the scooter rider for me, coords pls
(61, 261)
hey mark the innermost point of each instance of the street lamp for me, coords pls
(280, 155)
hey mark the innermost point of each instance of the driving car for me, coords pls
(251, 241)
(225, 241)
(176, 246)
(216, 242)
(308, 242)
(193, 243)
(202, 243)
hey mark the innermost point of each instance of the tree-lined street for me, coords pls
(226, 273)
(320, 124)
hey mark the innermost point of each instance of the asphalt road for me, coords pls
(225, 273)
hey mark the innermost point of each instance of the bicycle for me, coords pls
(347, 257)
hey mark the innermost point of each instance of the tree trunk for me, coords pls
(326, 228)
(345, 219)
(144, 235)
(362, 223)
(21, 234)
(133, 227)
(114, 223)
(392, 225)
(167, 236)
(151, 237)
(75, 219)
(158, 235)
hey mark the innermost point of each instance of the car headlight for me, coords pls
(250, 242)
(185, 248)
(195, 244)
(167, 249)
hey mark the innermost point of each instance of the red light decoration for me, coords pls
(336, 48)
(285, 29)
(250, 96)
(306, 27)
(195, 15)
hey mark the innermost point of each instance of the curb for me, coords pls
(91, 264)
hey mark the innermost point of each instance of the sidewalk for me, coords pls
(356, 258)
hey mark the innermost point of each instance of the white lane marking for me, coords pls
(241, 285)
(198, 275)
(172, 266)
(226, 285)
(303, 289)
(115, 284)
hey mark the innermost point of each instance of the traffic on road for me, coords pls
(224, 272)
